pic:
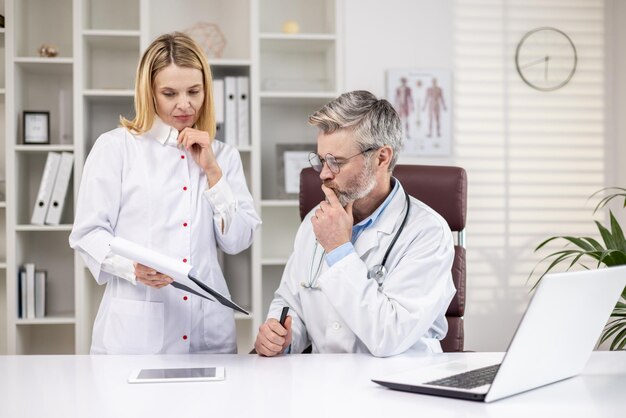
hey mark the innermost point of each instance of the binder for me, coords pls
(243, 111)
(30, 289)
(230, 110)
(218, 102)
(21, 296)
(57, 201)
(45, 188)
(40, 293)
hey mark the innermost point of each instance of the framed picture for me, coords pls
(36, 127)
(292, 158)
(423, 100)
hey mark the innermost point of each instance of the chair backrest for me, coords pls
(445, 190)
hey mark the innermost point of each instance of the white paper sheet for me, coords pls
(181, 273)
(164, 264)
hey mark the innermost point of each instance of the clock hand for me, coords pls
(535, 62)
(546, 68)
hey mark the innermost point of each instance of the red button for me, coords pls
(184, 260)
(184, 337)
(182, 157)
(185, 188)
(185, 224)
(185, 298)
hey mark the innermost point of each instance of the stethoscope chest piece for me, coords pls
(378, 273)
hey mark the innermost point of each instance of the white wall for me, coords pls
(395, 34)
(420, 34)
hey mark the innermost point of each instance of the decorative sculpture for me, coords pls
(291, 27)
(209, 36)
(48, 50)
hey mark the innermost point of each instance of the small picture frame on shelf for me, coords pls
(36, 127)
(292, 158)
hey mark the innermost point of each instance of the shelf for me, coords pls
(44, 148)
(2, 91)
(280, 203)
(294, 44)
(50, 320)
(225, 62)
(298, 37)
(3, 204)
(242, 317)
(106, 93)
(275, 261)
(111, 33)
(43, 228)
(45, 65)
(3, 266)
(300, 97)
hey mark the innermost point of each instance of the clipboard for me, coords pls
(184, 275)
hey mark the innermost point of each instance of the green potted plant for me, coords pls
(611, 252)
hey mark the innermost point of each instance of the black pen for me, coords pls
(283, 315)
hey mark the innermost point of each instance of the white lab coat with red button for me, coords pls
(147, 190)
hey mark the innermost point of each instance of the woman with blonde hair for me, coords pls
(162, 181)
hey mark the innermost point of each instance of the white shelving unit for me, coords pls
(298, 73)
(91, 83)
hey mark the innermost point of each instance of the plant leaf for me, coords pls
(618, 234)
(620, 340)
(595, 244)
(603, 202)
(609, 331)
(540, 246)
(606, 236)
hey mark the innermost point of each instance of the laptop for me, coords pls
(553, 341)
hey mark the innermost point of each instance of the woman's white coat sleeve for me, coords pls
(98, 204)
(235, 218)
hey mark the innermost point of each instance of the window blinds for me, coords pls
(533, 158)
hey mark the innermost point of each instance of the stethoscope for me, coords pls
(378, 272)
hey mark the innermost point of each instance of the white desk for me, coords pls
(329, 385)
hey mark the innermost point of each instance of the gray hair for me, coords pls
(374, 122)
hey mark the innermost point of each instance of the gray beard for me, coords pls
(361, 187)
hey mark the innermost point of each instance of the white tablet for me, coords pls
(193, 374)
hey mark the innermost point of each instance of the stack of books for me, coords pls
(31, 292)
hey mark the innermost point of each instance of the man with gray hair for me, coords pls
(343, 297)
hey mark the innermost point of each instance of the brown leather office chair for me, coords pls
(445, 190)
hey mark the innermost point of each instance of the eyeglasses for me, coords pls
(317, 162)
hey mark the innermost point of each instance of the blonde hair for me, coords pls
(172, 48)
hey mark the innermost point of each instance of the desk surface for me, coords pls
(320, 385)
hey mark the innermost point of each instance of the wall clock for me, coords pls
(546, 58)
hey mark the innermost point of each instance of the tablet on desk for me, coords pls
(187, 374)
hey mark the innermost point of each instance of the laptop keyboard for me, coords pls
(468, 380)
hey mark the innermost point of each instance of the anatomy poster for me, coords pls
(423, 100)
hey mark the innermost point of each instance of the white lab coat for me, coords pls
(345, 312)
(147, 190)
